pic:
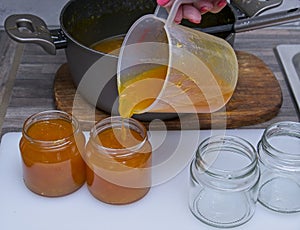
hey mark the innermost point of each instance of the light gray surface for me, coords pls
(48, 10)
(289, 57)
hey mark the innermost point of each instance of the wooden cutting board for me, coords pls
(257, 98)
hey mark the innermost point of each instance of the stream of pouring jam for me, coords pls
(140, 91)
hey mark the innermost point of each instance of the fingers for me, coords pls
(193, 11)
(188, 12)
(213, 6)
(218, 6)
(165, 3)
(179, 15)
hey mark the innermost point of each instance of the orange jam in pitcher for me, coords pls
(151, 90)
(51, 147)
(118, 157)
(138, 93)
(179, 94)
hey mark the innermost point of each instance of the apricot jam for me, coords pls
(51, 147)
(182, 94)
(110, 45)
(118, 158)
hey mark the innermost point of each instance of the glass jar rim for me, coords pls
(118, 121)
(50, 115)
(221, 142)
(286, 128)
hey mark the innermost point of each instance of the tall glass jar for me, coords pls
(279, 158)
(224, 181)
(118, 157)
(51, 147)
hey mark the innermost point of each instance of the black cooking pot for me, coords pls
(85, 22)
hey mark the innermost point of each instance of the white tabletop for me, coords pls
(164, 207)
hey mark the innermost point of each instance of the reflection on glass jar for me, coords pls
(224, 181)
(51, 147)
(279, 158)
(118, 157)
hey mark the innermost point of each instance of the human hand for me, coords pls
(193, 11)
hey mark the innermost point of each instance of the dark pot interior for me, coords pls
(89, 21)
(226, 16)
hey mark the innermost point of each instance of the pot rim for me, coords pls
(68, 35)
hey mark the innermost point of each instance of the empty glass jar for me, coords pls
(224, 181)
(279, 158)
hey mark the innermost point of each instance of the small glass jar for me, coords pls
(51, 147)
(118, 157)
(224, 181)
(279, 159)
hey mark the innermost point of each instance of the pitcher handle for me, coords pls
(161, 12)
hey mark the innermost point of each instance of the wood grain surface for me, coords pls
(257, 98)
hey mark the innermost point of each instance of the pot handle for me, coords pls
(28, 28)
(254, 7)
(258, 22)
(277, 18)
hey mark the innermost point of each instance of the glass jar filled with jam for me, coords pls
(51, 147)
(118, 158)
